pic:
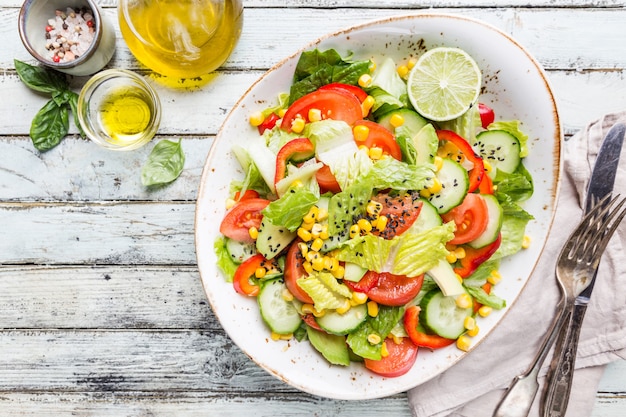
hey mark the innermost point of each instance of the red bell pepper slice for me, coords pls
(487, 115)
(268, 123)
(475, 257)
(417, 336)
(296, 150)
(246, 270)
(477, 173)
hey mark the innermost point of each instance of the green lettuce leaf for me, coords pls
(289, 210)
(325, 290)
(224, 260)
(381, 325)
(482, 297)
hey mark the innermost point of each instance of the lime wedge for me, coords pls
(444, 83)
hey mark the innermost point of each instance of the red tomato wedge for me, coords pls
(334, 104)
(394, 290)
(400, 360)
(417, 336)
(380, 137)
(477, 173)
(241, 217)
(401, 213)
(357, 91)
(248, 194)
(470, 218)
(327, 181)
(294, 271)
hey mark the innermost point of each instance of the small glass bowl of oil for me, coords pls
(119, 110)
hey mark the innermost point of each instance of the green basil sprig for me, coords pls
(51, 123)
(164, 165)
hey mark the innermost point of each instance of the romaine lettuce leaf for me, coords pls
(381, 325)
(289, 210)
(325, 290)
(224, 260)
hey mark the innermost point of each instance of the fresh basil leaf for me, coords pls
(73, 102)
(62, 97)
(164, 165)
(41, 79)
(49, 126)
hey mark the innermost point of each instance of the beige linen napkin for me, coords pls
(474, 386)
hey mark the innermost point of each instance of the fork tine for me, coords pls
(588, 225)
(609, 222)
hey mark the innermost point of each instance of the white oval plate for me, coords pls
(514, 85)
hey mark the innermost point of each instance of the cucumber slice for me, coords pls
(273, 239)
(353, 272)
(446, 279)
(454, 182)
(240, 251)
(500, 149)
(280, 315)
(342, 324)
(332, 347)
(494, 224)
(413, 122)
(428, 218)
(441, 315)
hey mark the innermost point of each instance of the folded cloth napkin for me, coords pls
(474, 386)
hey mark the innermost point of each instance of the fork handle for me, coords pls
(561, 372)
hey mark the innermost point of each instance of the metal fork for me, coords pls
(576, 264)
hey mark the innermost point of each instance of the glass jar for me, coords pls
(181, 38)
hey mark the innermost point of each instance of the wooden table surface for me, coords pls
(101, 307)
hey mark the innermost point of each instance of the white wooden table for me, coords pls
(101, 307)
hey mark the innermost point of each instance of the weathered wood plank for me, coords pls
(559, 38)
(97, 233)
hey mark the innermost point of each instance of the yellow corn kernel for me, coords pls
(307, 226)
(425, 193)
(332, 264)
(358, 298)
(308, 268)
(354, 231)
(256, 118)
(367, 105)
(339, 272)
(275, 336)
(411, 63)
(396, 120)
(324, 232)
(383, 351)
(317, 244)
(396, 339)
(484, 311)
(311, 215)
(487, 166)
(322, 214)
(260, 272)
(253, 232)
(310, 309)
(281, 113)
(372, 308)
(346, 306)
(403, 71)
(304, 234)
(469, 323)
(279, 336)
(460, 252)
(459, 278)
(372, 66)
(463, 343)
(311, 255)
(365, 80)
(230, 203)
(364, 225)
(473, 332)
(360, 133)
(435, 187)
(526, 242)
(287, 295)
(297, 125)
(451, 257)
(316, 230)
(373, 338)
(375, 153)
(304, 249)
(315, 115)
(318, 263)
(438, 162)
(464, 300)
(381, 223)
(494, 278)
(374, 208)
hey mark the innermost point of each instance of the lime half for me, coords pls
(444, 83)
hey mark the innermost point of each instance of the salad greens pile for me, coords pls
(365, 228)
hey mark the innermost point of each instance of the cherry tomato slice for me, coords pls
(309, 319)
(293, 271)
(417, 336)
(357, 91)
(477, 172)
(487, 116)
(248, 194)
(400, 360)
(401, 213)
(394, 290)
(246, 270)
(365, 284)
(327, 181)
(268, 123)
(380, 137)
(334, 104)
(470, 218)
(241, 217)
